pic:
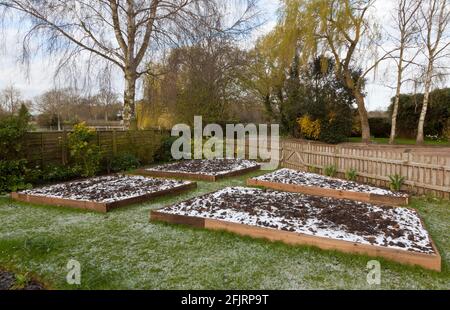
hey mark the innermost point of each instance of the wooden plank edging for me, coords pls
(195, 176)
(98, 206)
(333, 193)
(427, 261)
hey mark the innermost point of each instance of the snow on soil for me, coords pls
(289, 176)
(106, 189)
(214, 167)
(398, 228)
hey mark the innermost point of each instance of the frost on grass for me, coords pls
(398, 228)
(215, 167)
(106, 189)
(293, 177)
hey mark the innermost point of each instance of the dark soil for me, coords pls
(8, 282)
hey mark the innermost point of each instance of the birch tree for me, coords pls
(405, 17)
(122, 33)
(433, 20)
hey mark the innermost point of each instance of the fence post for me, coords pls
(64, 157)
(337, 152)
(42, 149)
(114, 143)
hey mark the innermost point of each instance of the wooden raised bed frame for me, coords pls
(333, 193)
(195, 176)
(427, 261)
(102, 207)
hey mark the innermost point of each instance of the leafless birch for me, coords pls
(407, 30)
(434, 20)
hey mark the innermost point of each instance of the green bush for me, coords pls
(52, 173)
(164, 153)
(12, 175)
(331, 171)
(12, 131)
(124, 162)
(55, 173)
(380, 127)
(351, 175)
(397, 182)
(12, 163)
(84, 154)
(409, 113)
(336, 130)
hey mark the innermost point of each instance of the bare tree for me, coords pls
(123, 33)
(10, 99)
(56, 103)
(106, 96)
(105, 99)
(434, 20)
(406, 13)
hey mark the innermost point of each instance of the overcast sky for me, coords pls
(40, 75)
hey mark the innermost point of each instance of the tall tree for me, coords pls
(265, 73)
(405, 39)
(119, 32)
(343, 28)
(434, 20)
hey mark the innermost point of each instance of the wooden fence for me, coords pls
(43, 148)
(427, 170)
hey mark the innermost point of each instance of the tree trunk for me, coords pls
(397, 98)
(106, 111)
(129, 108)
(365, 127)
(394, 119)
(426, 98)
(356, 87)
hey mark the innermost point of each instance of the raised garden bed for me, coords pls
(396, 234)
(103, 193)
(314, 184)
(202, 170)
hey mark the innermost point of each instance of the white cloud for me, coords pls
(31, 80)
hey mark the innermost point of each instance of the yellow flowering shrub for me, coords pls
(309, 129)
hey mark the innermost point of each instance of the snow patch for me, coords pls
(293, 177)
(215, 167)
(106, 189)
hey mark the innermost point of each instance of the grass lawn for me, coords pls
(401, 141)
(122, 250)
